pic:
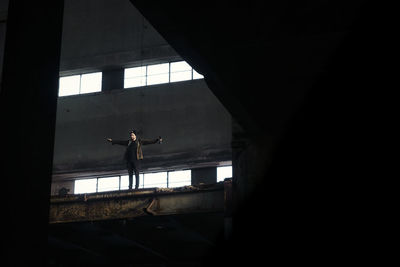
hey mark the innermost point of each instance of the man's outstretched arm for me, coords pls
(118, 142)
(151, 141)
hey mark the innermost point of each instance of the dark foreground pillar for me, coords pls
(28, 103)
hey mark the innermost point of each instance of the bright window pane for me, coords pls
(85, 186)
(179, 178)
(181, 76)
(157, 79)
(197, 75)
(158, 179)
(158, 69)
(158, 73)
(224, 172)
(180, 66)
(108, 184)
(134, 82)
(141, 182)
(135, 72)
(135, 77)
(69, 85)
(180, 71)
(125, 181)
(91, 82)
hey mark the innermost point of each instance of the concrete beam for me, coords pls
(134, 203)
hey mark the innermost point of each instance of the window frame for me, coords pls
(222, 179)
(146, 76)
(142, 177)
(80, 83)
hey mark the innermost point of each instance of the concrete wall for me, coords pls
(102, 34)
(195, 127)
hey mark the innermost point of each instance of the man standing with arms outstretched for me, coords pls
(134, 154)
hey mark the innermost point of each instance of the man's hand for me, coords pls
(109, 139)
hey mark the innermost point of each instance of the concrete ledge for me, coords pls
(134, 203)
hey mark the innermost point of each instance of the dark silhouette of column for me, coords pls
(28, 113)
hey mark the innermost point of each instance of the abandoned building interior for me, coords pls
(250, 100)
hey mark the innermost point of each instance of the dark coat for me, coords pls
(139, 142)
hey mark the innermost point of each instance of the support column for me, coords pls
(28, 104)
(113, 79)
(204, 175)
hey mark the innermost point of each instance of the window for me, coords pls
(180, 71)
(85, 186)
(158, 73)
(69, 85)
(80, 84)
(157, 179)
(135, 77)
(90, 83)
(147, 180)
(196, 75)
(108, 184)
(224, 172)
(179, 178)
(125, 181)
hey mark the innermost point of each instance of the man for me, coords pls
(134, 154)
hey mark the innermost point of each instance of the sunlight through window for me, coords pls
(179, 178)
(158, 73)
(180, 71)
(125, 181)
(91, 83)
(80, 84)
(108, 184)
(135, 77)
(85, 186)
(224, 172)
(157, 179)
(69, 85)
(197, 75)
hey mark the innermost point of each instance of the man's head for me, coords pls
(133, 135)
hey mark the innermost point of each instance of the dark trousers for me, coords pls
(133, 167)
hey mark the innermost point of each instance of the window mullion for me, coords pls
(145, 82)
(80, 83)
(168, 179)
(169, 72)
